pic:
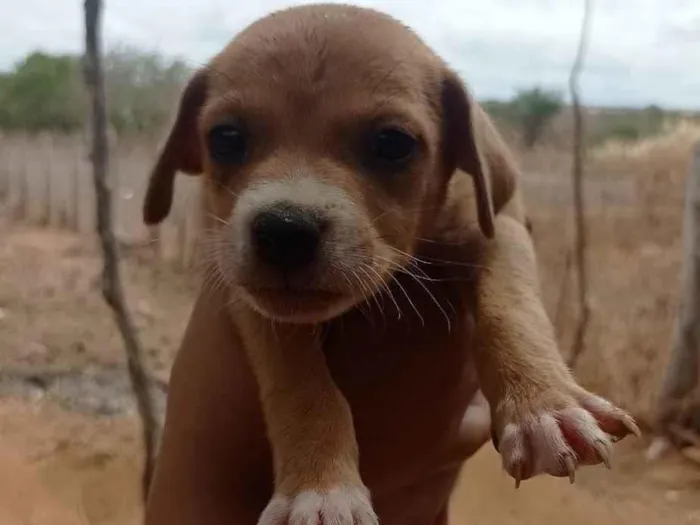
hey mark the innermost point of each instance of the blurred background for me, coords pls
(69, 439)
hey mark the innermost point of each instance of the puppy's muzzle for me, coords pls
(287, 237)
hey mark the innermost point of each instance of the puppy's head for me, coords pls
(327, 136)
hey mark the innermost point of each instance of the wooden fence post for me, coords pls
(77, 175)
(4, 174)
(23, 181)
(63, 218)
(46, 142)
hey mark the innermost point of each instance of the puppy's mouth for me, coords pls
(297, 305)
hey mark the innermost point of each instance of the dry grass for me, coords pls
(634, 195)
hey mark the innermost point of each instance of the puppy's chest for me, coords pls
(417, 374)
(407, 379)
(426, 324)
(416, 341)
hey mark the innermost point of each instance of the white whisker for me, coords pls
(385, 286)
(374, 295)
(408, 298)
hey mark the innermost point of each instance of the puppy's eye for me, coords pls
(227, 144)
(392, 145)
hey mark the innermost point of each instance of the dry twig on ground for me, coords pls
(111, 281)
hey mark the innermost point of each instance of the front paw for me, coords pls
(337, 506)
(556, 431)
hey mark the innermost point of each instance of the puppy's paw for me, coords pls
(338, 506)
(556, 432)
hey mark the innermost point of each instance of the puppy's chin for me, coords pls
(296, 306)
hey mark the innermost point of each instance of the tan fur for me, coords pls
(307, 81)
(306, 414)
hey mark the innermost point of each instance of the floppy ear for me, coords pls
(182, 151)
(474, 146)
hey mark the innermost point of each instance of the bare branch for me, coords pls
(579, 204)
(679, 400)
(563, 294)
(111, 281)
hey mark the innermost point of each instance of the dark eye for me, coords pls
(227, 144)
(392, 145)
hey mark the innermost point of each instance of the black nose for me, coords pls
(286, 237)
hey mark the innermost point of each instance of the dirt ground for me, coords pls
(68, 434)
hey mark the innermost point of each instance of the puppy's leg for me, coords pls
(543, 422)
(309, 425)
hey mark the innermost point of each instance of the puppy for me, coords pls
(355, 194)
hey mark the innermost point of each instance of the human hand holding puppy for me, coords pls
(362, 207)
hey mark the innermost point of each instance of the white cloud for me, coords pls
(641, 52)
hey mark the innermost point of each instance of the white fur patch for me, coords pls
(303, 191)
(338, 506)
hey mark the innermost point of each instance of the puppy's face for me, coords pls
(321, 131)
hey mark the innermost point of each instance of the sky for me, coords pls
(641, 51)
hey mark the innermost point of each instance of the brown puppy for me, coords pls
(359, 201)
